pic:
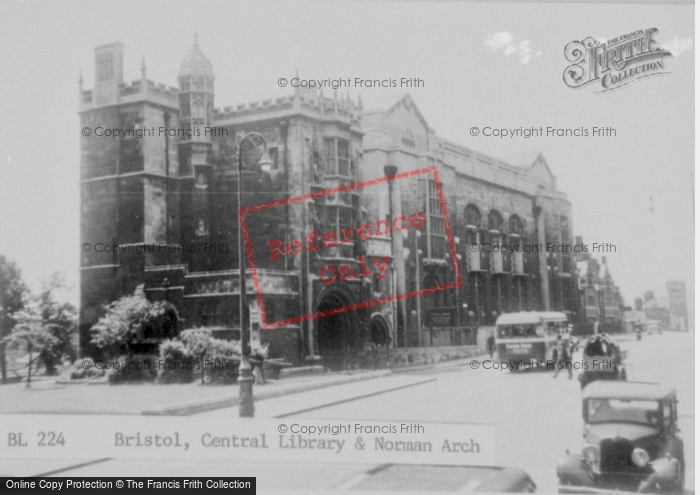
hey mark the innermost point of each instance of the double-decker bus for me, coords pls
(529, 336)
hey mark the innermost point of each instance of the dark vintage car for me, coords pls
(602, 360)
(424, 478)
(631, 441)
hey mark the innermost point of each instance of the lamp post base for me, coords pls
(312, 359)
(246, 404)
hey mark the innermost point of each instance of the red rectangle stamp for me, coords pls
(333, 250)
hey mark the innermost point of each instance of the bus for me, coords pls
(529, 337)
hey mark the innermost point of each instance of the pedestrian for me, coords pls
(491, 344)
(563, 358)
(256, 360)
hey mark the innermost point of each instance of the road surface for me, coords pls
(537, 417)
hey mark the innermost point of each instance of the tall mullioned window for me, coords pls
(516, 238)
(496, 234)
(564, 229)
(337, 157)
(567, 259)
(436, 230)
(472, 237)
(335, 219)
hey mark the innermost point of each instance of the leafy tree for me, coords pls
(130, 319)
(44, 327)
(649, 296)
(12, 290)
(59, 320)
(30, 336)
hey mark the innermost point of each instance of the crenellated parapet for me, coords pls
(138, 90)
(328, 109)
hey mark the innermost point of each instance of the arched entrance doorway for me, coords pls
(338, 333)
(379, 331)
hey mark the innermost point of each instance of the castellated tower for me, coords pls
(196, 102)
(129, 183)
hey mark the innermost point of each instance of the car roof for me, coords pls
(529, 317)
(608, 389)
(427, 477)
(603, 336)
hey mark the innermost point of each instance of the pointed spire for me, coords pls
(80, 79)
(196, 62)
(359, 100)
(143, 67)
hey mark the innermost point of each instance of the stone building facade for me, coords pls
(159, 209)
(601, 302)
(512, 228)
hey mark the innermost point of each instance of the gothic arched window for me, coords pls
(473, 216)
(516, 225)
(198, 110)
(495, 221)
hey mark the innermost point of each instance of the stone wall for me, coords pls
(400, 356)
(408, 356)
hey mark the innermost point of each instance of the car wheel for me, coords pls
(530, 488)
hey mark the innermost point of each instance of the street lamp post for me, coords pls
(246, 406)
(419, 322)
(389, 172)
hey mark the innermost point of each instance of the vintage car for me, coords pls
(631, 441)
(424, 478)
(602, 360)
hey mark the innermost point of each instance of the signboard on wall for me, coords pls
(440, 317)
(378, 247)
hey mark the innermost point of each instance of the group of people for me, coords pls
(562, 356)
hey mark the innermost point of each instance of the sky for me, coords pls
(497, 65)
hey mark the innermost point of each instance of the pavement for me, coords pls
(49, 395)
(52, 395)
(537, 418)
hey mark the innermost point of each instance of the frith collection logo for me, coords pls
(615, 63)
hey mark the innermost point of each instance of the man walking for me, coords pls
(563, 357)
(491, 344)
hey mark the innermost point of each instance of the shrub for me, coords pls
(132, 319)
(177, 363)
(79, 372)
(135, 368)
(221, 358)
(222, 370)
(197, 341)
(225, 348)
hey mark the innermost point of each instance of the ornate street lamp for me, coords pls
(389, 172)
(246, 406)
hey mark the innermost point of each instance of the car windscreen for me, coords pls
(645, 412)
